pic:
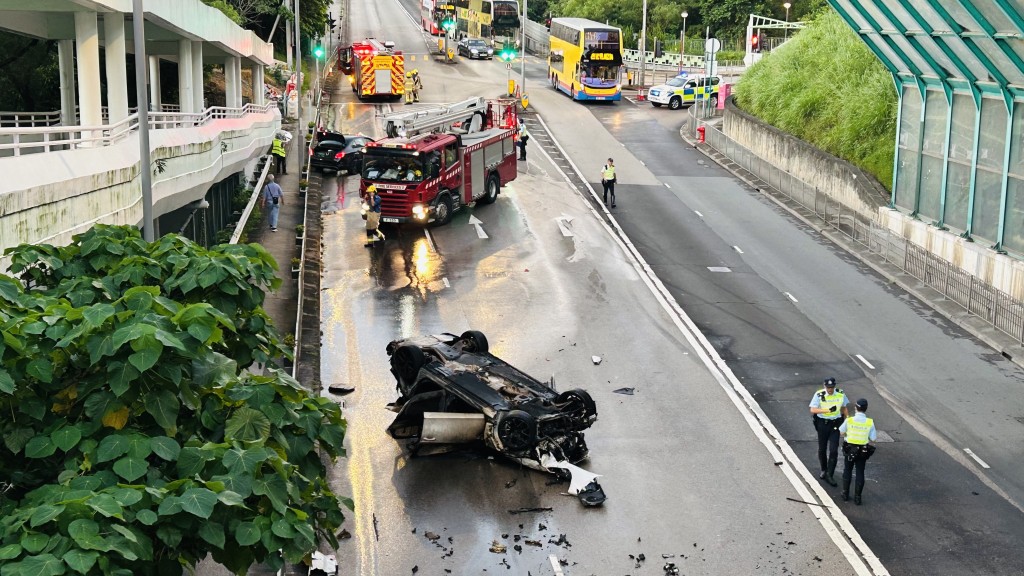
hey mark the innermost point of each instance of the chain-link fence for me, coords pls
(975, 295)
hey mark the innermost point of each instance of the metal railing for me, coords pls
(52, 118)
(32, 140)
(976, 296)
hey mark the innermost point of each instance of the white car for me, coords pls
(684, 90)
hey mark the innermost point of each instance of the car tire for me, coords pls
(516, 430)
(405, 365)
(475, 341)
(675, 103)
(656, 104)
(443, 210)
(492, 188)
(578, 399)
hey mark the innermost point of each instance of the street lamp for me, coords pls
(682, 41)
(787, 6)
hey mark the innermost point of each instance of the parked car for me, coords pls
(475, 48)
(338, 152)
(685, 90)
(453, 391)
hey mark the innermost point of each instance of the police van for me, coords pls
(684, 90)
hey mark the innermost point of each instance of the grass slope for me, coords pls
(826, 87)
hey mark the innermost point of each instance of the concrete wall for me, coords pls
(837, 178)
(48, 198)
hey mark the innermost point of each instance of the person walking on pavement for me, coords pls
(524, 137)
(272, 193)
(373, 216)
(858, 434)
(278, 151)
(828, 409)
(410, 87)
(608, 181)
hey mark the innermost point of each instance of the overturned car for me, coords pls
(454, 391)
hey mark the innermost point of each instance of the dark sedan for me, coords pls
(475, 48)
(339, 153)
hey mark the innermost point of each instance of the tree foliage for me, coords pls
(132, 444)
(826, 87)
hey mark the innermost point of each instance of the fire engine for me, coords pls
(436, 162)
(375, 68)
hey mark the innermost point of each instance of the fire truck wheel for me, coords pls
(443, 210)
(493, 187)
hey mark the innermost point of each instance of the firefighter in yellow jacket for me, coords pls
(417, 85)
(410, 87)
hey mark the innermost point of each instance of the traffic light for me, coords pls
(755, 43)
(448, 23)
(508, 52)
(318, 51)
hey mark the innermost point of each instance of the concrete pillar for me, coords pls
(154, 84)
(87, 45)
(66, 59)
(232, 82)
(198, 103)
(117, 74)
(257, 84)
(185, 98)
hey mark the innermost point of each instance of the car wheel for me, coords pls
(475, 341)
(714, 101)
(443, 210)
(492, 189)
(675, 103)
(405, 365)
(656, 104)
(578, 399)
(516, 430)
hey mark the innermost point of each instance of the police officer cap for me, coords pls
(862, 404)
(830, 382)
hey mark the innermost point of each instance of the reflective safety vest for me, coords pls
(278, 148)
(858, 432)
(608, 173)
(827, 401)
(410, 84)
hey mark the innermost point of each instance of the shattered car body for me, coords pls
(454, 391)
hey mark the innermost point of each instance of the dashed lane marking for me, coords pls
(976, 459)
(737, 249)
(790, 296)
(864, 360)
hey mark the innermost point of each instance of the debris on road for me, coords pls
(596, 359)
(528, 510)
(343, 535)
(340, 390)
(582, 484)
(510, 483)
(625, 391)
(670, 568)
(497, 547)
(323, 564)
(432, 536)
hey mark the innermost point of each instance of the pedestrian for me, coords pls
(417, 84)
(858, 434)
(373, 216)
(828, 409)
(524, 137)
(272, 193)
(280, 153)
(410, 87)
(608, 181)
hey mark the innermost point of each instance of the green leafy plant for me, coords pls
(296, 262)
(132, 441)
(303, 184)
(300, 230)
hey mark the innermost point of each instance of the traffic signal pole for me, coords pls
(522, 49)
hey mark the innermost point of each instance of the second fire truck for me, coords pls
(375, 68)
(436, 162)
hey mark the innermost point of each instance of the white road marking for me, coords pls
(790, 296)
(976, 459)
(842, 533)
(666, 185)
(430, 241)
(719, 269)
(479, 227)
(555, 565)
(864, 360)
(737, 248)
(563, 225)
(642, 163)
(446, 283)
(698, 213)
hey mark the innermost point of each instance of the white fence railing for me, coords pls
(50, 138)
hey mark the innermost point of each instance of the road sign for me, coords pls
(712, 45)
(508, 65)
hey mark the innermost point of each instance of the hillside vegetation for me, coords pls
(825, 87)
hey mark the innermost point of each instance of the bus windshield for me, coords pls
(391, 166)
(601, 40)
(600, 75)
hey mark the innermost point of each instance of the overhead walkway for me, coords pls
(68, 169)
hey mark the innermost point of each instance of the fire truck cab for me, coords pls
(375, 68)
(426, 176)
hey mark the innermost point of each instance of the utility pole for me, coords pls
(299, 141)
(643, 46)
(522, 50)
(142, 100)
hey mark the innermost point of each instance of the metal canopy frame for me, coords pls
(973, 47)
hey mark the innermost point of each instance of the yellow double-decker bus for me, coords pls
(585, 58)
(487, 18)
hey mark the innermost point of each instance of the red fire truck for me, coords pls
(437, 162)
(375, 68)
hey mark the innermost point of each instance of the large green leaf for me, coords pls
(40, 447)
(122, 375)
(86, 533)
(80, 561)
(97, 314)
(213, 369)
(283, 528)
(247, 533)
(130, 468)
(99, 345)
(240, 461)
(41, 369)
(16, 438)
(147, 517)
(44, 514)
(42, 565)
(191, 461)
(113, 446)
(125, 496)
(6, 382)
(164, 447)
(213, 532)
(67, 437)
(10, 551)
(240, 484)
(139, 446)
(199, 501)
(34, 543)
(164, 406)
(146, 358)
(105, 504)
(247, 425)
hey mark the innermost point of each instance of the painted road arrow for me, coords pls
(479, 226)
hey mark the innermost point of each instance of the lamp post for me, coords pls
(643, 45)
(787, 5)
(682, 41)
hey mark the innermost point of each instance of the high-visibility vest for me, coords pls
(278, 148)
(609, 172)
(827, 401)
(858, 432)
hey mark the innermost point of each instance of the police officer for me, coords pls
(828, 409)
(410, 87)
(608, 180)
(278, 151)
(858, 434)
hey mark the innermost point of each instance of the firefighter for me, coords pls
(410, 87)
(417, 84)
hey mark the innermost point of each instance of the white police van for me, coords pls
(684, 90)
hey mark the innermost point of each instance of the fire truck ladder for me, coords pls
(470, 113)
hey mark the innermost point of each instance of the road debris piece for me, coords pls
(596, 360)
(583, 484)
(510, 483)
(432, 536)
(343, 535)
(497, 547)
(806, 502)
(670, 568)
(528, 510)
(340, 390)
(533, 543)
(625, 391)
(323, 564)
